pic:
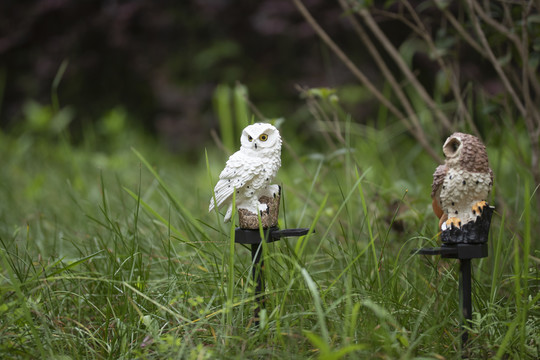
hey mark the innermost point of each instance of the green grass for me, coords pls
(107, 251)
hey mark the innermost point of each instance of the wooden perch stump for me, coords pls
(269, 217)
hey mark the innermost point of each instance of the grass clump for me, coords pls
(111, 254)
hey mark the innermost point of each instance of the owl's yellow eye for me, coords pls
(263, 137)
(250, 138)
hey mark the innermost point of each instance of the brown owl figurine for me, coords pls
(462, 185)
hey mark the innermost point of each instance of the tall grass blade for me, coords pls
(318, 305)
(370, 232)
(222, 101)
(23, 305)
(302, 242)
(230, 277)
(185, 213)
(56, 83)
(241, 108)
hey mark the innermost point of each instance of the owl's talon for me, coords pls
(478, 208)
(451, 222)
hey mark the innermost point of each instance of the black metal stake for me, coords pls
(464, 253)
(465, 297)
(465, 243)
(258, 277)
(253, 237)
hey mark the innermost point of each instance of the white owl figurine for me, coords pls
(250, 171)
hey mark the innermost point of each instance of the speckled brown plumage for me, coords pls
(438, 178)
(461, 185)
(474, 156)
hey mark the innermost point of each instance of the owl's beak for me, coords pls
(255, 145)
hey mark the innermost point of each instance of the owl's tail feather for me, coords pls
(436, 206)
(228, 215)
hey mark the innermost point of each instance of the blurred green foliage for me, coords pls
(232, 109)
(119, 243)
(107, 249)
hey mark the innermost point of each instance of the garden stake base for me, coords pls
(464, 248)
(464, 253)
(253, 237)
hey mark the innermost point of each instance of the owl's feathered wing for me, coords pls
(438, 179)
(235, 174)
